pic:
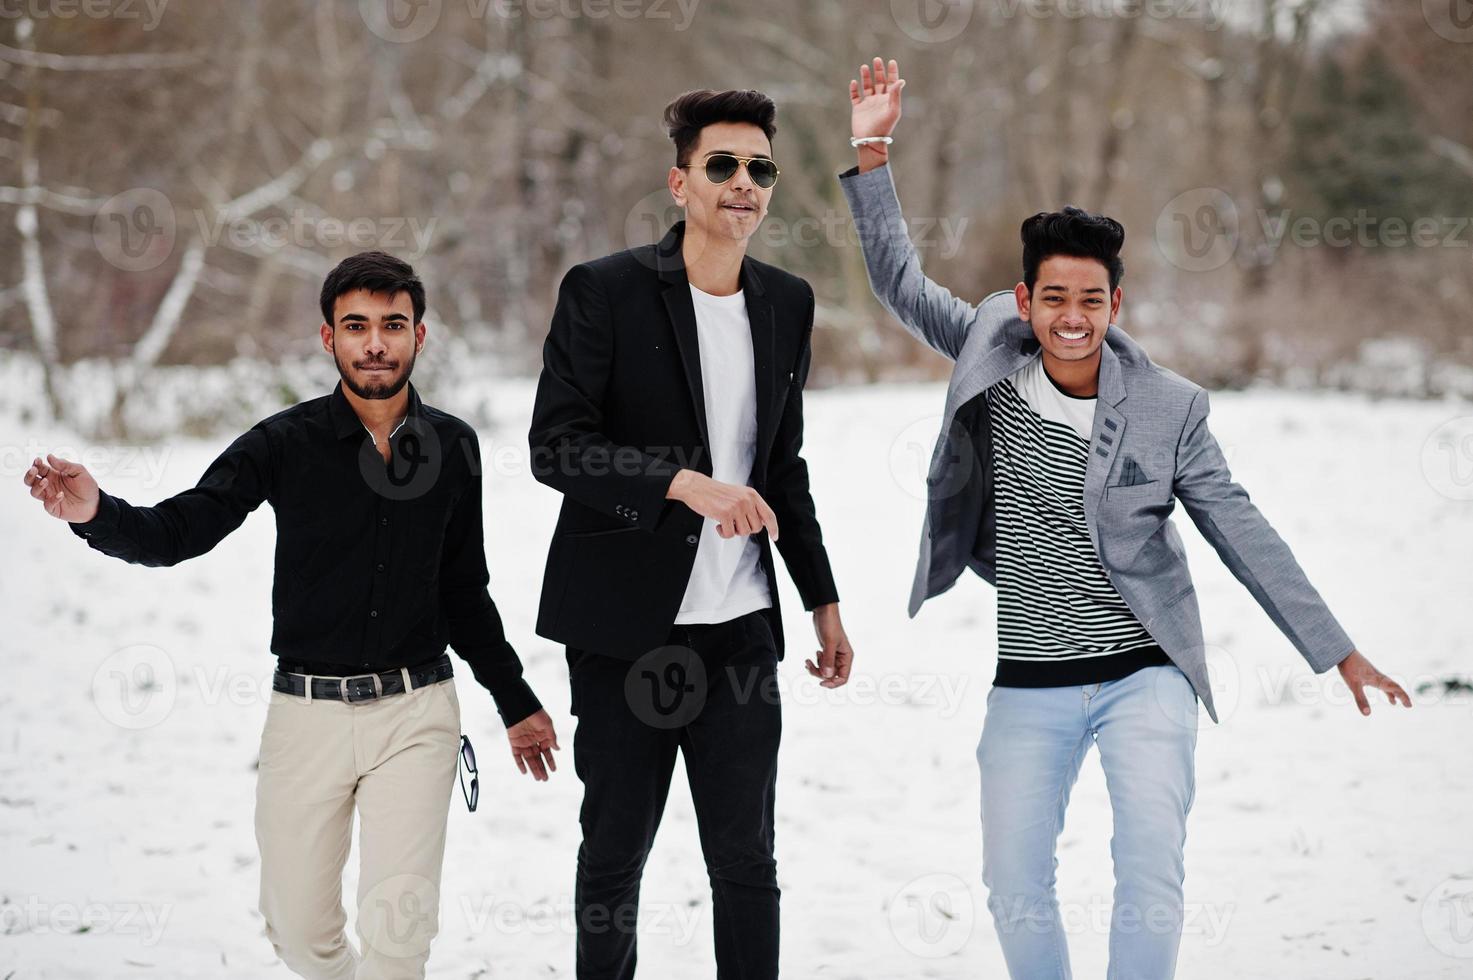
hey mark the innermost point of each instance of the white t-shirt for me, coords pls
(727, 580)
(1051, 402)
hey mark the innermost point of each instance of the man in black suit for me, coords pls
(670, 416)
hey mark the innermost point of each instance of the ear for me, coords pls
(1020, 293)
(326, 331)
(1115, 304)
(419, 337)
(675, 180)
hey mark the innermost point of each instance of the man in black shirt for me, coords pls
(379, 564)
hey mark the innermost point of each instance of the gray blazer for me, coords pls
(1150, 448)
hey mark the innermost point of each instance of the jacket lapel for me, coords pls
(1109, 426)
(676, 293)
(995, 365)
(1015, 349)
(761, 317)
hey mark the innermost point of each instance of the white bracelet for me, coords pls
(858, 141)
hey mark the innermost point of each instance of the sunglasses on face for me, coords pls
(721, 167)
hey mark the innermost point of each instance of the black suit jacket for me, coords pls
(620, 409)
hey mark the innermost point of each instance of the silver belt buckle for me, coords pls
(348, 691)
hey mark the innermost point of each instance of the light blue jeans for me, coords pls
(1033, 742)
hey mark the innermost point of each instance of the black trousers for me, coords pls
(712, 694)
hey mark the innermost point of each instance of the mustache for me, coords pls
(360, 365)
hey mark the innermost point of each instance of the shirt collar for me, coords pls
(345, 421)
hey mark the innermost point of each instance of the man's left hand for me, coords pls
(836, 656)
(1359, 674)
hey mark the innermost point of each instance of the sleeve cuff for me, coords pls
(1321, 665)
(516, 702)
(103, 523)
(817, 586)
(661, 474)
(871, 197)
(852, 179)
(877, 174)
(826, 595)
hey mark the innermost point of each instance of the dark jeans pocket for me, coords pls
(759, 632)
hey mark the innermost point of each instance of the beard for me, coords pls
(375, 389)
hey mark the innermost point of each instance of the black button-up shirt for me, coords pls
(378, 565)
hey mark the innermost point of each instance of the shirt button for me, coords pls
(383, 521)
(691, 539)
(373, 614)
(380, 566)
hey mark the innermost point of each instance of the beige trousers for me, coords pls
(395, 760)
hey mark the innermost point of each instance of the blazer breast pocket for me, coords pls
(1135, 491)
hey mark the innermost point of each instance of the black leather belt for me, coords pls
(363, 687)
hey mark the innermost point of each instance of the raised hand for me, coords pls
(875, 99)
(533, 740)
(66, 489)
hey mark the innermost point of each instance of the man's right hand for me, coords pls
(875, 102)
(65, 488)
(736, 510)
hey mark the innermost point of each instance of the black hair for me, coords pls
(1072, 232)
(377, 272)
(687, 115)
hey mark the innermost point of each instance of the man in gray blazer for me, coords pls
(1062, 455)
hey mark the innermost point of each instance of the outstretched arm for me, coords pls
(1259, 558)
(184, 526)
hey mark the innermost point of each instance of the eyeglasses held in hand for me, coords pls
(468, 756)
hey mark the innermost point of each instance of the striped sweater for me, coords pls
(1059, 620)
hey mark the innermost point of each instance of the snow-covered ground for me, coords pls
(1323, 844)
